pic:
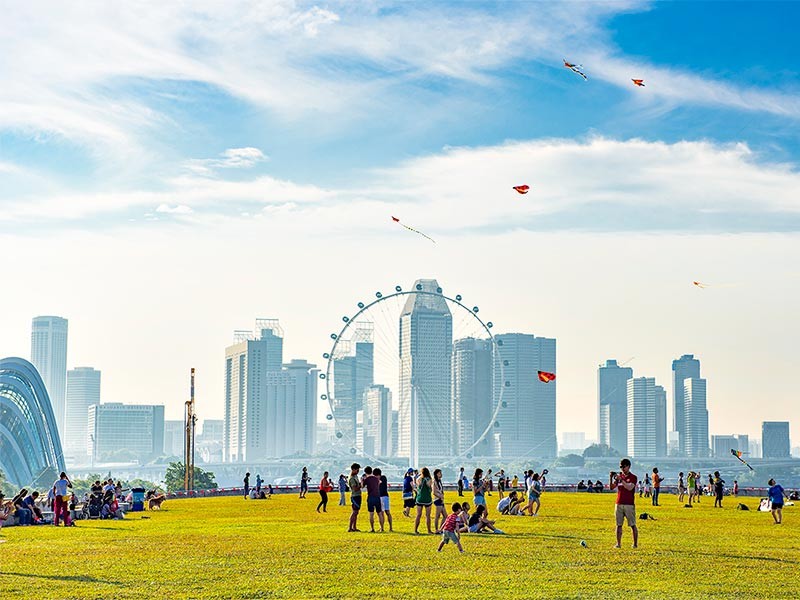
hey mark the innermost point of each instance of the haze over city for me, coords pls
(163, 186)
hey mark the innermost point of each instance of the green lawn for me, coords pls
(232, 548)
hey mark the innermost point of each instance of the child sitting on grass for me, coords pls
(449, 533)
(463, 518)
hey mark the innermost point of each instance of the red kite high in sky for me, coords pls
(522, 189)
(639, 82)
(575, 69)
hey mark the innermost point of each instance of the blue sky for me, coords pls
(295, 129)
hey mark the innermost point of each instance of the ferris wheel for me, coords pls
(414, 377)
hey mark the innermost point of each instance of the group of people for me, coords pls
(584, 486)
(260, 491)
(26, 506)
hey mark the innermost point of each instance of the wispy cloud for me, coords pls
(232, 158)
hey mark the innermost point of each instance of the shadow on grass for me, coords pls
(73, 578)
(740, 557)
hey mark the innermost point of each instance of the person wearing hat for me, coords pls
(408, 492)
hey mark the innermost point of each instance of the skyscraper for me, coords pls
(685, 367)
(353, 373)
(125, 431)
(472, 395)
(527, 423)
(290, 410)
(661, 421)
(642, 418)
(775, 439)
(612, 403)
(426, 346)
(49, 356)
(247, 364)
(378, 420)
(174, 432)
(696, 418)
(83, 390)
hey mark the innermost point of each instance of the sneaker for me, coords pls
(499, 531)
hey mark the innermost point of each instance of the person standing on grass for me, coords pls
(259, 481)
(324, 487)
(625, 484)
(355, 496)
(719, 489)
(460, 483)
(384, 490)
(776, 495)
(449, 533)
(372, 483)
(681, 487)
(735, 488)
(478, 488)
(304, 477)
(246, 485)
(438, 499)
(342, 490)
(501, 483)
(424, 498)
(408, 492)
(61, 503)
(657, 479)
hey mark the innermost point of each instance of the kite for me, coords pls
(639, 82)
(522, 189)
(396, 220)
(575, 69)
(700, 285)
(546, 377)
(738, 454)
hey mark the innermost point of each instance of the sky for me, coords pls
(170, 172)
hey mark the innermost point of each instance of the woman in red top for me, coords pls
(324, 487)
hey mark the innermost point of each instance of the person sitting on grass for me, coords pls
(5, 509)
(463, 518)
(581, 485)
(478, 521)
(30, 502)
(23, 514)
(504, 505)
(598, 486)
(449, 529)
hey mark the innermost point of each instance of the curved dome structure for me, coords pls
(29, 442)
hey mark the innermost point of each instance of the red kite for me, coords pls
(396, 220)
(522, 189)
(639, 82)
(575, 69)
(546, 377)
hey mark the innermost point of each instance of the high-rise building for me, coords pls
(775, 439)
(174, 432)
(526, 423)
(472, 395)
(290, 410)
(378, 420)
(612, 402)
(572, 442)
(83, 390)
(743, 442)
(685, 367)
(721, 445)
(247, 363)
(119, 432)
(661, 421)
(49, 356)
(213, 430)
(755, 449)
(643, 418)
(695, 438)
(426, 346)
(353, 373)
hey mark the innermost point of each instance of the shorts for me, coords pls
(408, 503)
(438, 502)
(423, 503)
(449, 536)
(474, 528)
(385, 503)
(355, 502)
(776, 506)
(626, 511)
(479, 500)
(374, 504)
(535, 497)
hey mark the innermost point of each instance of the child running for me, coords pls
(449, 529)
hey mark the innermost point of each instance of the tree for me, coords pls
(203, 480)
(570, 460)
(600, 451)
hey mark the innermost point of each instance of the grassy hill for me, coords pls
(232, 548)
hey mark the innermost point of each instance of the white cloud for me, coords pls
(232, 158)
(596, 184)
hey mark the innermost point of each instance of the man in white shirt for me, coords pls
(62, 501)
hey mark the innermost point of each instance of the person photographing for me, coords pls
(625, 484)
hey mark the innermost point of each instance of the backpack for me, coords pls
(646, 516)
(743, 506)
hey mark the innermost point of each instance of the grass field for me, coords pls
(232, 548)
